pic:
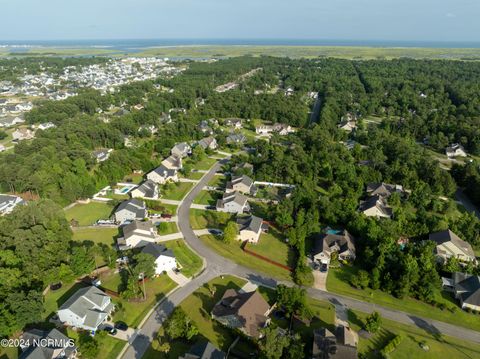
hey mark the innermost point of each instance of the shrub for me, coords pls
(391, 345)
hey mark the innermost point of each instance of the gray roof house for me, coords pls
(208, 143)
(102, 154)
(450, 245)
(137, 234)
(249, 228)
(205, 350)
(236, 138)
(9, 202)
(181, 150)
(376, 206)
(384, 189)
(87, 309)
(130, 210)
(342, 344)
(334, 241)
(164, 258)
(147, 189)
(56, 345)
(243, 184)
(466, 288)
(163, 174)
(233, 202)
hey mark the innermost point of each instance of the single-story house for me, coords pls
(466, 288)
(450, 245)
(147, 189)
(163, 174)
(249, 228)
(164, 258)
(342, 344)
(87, 309)
(42, 344)
(242, 184)
(130, 210)
(137, 234)
(233, 202)
(334, 241)
(247, 312)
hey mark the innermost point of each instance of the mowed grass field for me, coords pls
(201, 219)
(97, 235)
(338, 282)
(88, 214)
(190, 262)
(177, 191)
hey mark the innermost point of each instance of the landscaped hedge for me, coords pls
(391, 346)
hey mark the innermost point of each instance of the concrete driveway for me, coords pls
(320, 280)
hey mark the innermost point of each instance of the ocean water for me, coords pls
(135, 45)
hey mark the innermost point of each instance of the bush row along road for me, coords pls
(216, 265)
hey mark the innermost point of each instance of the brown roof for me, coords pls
(249, 308)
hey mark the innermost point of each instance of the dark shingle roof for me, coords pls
(157, 250)
(448, 236)
(250, 223)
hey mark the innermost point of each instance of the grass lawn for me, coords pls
(200, 219)
(204, 164)
(235, 253)
(190, 262)
(9, 352)
(338, 282)
(167, 228)
(207, 197)
(218, 181)
(133, 178)
(132, 313)
(195, 175)
(272, 246)
(110, 347)
(440, 347)
(54, 299)
(88, 214)
(97, 235)
(159, 207)
(176, 191)
(198, 306)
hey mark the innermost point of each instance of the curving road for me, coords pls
(216, 265)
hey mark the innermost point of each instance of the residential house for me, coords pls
(164, 258)
(22, 134)
(282, 129)
(384, 189)
(242, 184)
(8, 203)
(147, 189)
(205, 128)
(87, 309)
(376, 206)
(236, 139)
(263, 129)
(348, 125)
(236, 123)
(466, 288)
(42, 344)
(162, 174)
(334, 241)
(249, 228)
(450, 245)
(137, 234)
(233, 202)
(130, 210)
(46, 126)
(455, 150)
(11, 121)
(208, 143)
(342, 344)
(102, 154)
(173, 163)
(247, 312)
(204, 350)
(151, 129)
(181, 150)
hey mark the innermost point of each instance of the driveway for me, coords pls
(179, 278)
(320, 280)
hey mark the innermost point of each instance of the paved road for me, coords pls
(216, 265)
(315, 115)
(462, 198)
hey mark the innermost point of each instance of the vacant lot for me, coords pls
(176, 191)
(207, 197)
(200, 219)
(98, 235)
(88, 214)
(272, 246)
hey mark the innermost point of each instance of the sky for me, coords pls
(395, 20)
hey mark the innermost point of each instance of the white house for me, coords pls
(233, 202)
(129, 210)
(102, 154)
(8, 203)
(147, 189)
(455, 150)
(46, 126)
(87, 309)
(249, 228)
(164, 258)
(22, 134)
(137, 234)
(163, 174)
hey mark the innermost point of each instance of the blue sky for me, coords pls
(429, 20)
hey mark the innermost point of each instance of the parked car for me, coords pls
(323, 267)
(110, 330)
(215, 231)
(121, 326)
(56, 286)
